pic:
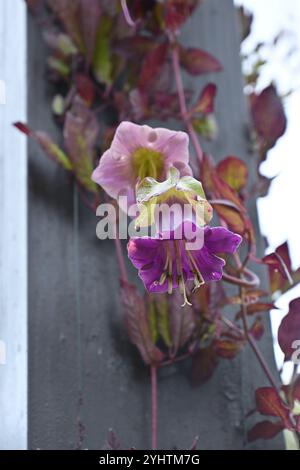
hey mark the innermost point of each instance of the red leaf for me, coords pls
(23, 128)
(89, 14)
(67, 12)
(246, 20)
(152, 64)
(232, 217)
(293, 390)
(197, 61)
(80, 134)
(289, 329)
(257, 329)
(236, 216)
(228, 349)
(137, 324)
(177, 12)
(182, 322)
(85, 88)
(33, 5)
(269, 403)
(268, 115)
(51, 149)
(234, 172)
(260, 307)
(204, 363)
(296, 389)
(279, 265)
(205, 102)
(265, 430)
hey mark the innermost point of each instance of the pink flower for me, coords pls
(137, 152)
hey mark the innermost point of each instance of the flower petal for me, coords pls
(128, 138)
(173, 144)
(221, 240)
(210, 265)
(148, 256)
(114, 177)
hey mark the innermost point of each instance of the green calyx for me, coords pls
(147, 162)
(186, 190)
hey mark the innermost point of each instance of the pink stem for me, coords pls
(127, 15)
(253, 344)
(182, 101)
(153, 371)
(119, 251)
(120, 258)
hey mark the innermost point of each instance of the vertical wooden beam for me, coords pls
(13, 228)
(82, 368)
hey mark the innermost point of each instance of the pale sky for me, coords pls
(279, 211)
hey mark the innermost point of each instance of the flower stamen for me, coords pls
(180, 276)
(198, 278)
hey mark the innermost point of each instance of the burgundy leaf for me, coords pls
(85, 88)
(292, 390)
(268, 115)
(182, 322)
(68, 13)
(177, 12)
(152, 64)
(204, 363)
(289, 329)
(51, 149)
(90, 14)
(80, 135)
(257, 329)
(265, 430)
(228, 349)
(260, 307)
(197, 61)
(33, 5)
(296, 388)
(269, 403)
(205, 102)
(139, 103)
(246, 20)
(23, 128)
(279, 265)
(137, 324)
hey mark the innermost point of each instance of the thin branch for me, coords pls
(252, 281)
(285, 268)
(127, 15)
(182, 100)
(153, 372)
(253, 344)
(120, 258)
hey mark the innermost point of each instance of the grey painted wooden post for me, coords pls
(76, 341)
(13, 228)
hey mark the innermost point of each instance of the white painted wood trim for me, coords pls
(13, 227)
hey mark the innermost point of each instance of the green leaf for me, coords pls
(59, 66)
(152, 319)
(53, 150)
(163, 321)
(102, 64)
(190, 184)
(58, 105)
